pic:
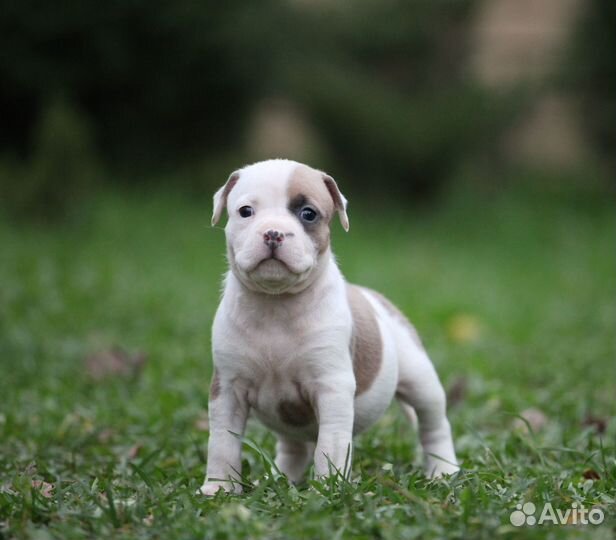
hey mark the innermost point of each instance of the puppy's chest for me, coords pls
(264, 344)
(263, 352)
(277, 375)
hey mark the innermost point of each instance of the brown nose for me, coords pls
(273, 239)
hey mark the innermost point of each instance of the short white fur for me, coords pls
(282, 333)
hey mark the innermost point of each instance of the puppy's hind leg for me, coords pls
(293, 457)
(421, 394)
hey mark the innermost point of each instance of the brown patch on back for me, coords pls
(308, 183)
(397, 315)
(215, 386)
(366, 343)
(296, 413)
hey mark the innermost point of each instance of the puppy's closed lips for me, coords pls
(274, 263)
(249, 265)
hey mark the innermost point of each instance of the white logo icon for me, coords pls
(524, 514)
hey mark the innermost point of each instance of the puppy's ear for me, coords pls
(220, 197)
(340, 203)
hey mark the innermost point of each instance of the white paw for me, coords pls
(209, 489)
(435, 468)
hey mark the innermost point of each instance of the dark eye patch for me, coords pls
(299, 203)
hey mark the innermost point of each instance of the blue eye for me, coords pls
(246, 211)
(308, 214)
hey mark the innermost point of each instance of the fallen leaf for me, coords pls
(598, 422)
(591, 474)
(464, 328)
(134, 450)
(202, 423)
(105, 435)
(115, 362)
(45, 488)
(533, 418)
(457, 391)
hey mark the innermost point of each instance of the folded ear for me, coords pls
(220, 197)
(340, 203)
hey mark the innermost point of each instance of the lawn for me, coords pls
(513, 292)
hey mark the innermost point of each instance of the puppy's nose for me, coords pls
(273, 239)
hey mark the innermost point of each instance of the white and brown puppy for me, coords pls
(317, 359)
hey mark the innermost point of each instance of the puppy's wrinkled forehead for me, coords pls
(286, 184)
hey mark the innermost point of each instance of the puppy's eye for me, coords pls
(246, 211)
(308, 214)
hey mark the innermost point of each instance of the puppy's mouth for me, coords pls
(272, 262)
(272, 269)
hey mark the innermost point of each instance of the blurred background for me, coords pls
(397, 100)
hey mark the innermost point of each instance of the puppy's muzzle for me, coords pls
(273, 239)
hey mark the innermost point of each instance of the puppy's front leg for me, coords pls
(228, 411)
(334, 403)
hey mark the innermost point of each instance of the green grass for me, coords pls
(514, 295)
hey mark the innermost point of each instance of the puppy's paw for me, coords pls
(437, 468)
(210, 488)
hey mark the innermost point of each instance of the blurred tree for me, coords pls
(155, 77)
(591, 73)
(63, 165)
(382, 81)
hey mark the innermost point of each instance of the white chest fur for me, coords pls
(279, 349)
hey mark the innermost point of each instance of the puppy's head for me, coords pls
(278, 228)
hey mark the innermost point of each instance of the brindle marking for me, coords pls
(215, 386)
(366, 343)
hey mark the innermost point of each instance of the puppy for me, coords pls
(315, 358)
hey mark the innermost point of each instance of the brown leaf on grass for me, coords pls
(591, 474)
(105, 435)
(44, 488)
(134, 450)
(531, 418)
(202, 423)
(597, 422)
(457, 391)
(115, 362)
(464, 328)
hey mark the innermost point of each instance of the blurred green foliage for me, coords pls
(167, 87)
(168, 84)
(122, 458)
(63, 165)
(591, 72)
